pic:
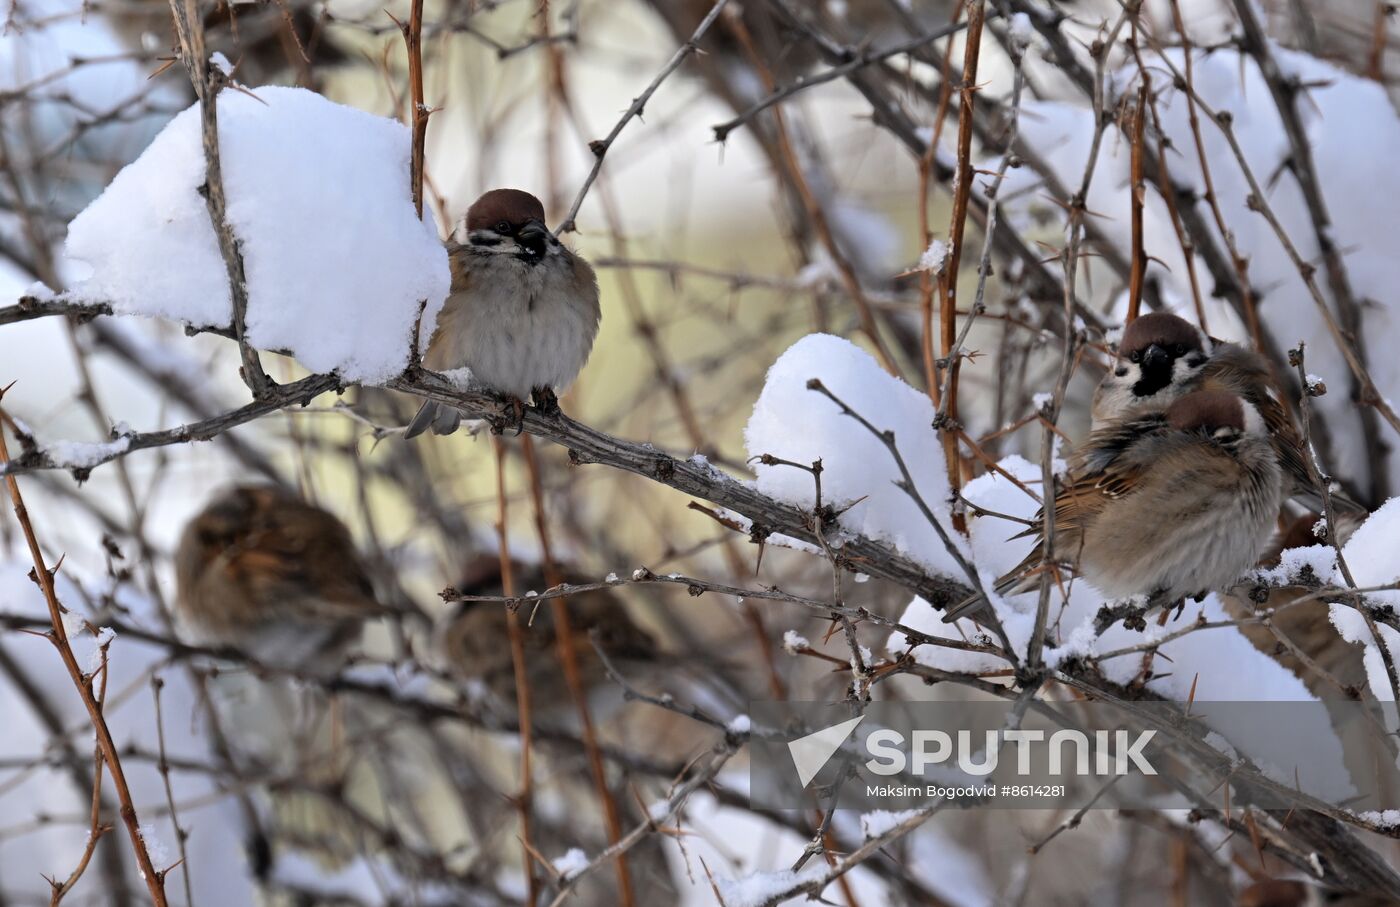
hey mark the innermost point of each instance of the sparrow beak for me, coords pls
(1155, 358)
(532, 237)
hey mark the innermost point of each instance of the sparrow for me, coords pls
(523, 311)
(475, 643)
(1161, 357)
(267, 573)
(1176, 502)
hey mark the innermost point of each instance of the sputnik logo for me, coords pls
(811, 753)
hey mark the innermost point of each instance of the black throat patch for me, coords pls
(1154, 379)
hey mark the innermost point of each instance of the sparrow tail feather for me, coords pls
(1008, 583)
(443, 420)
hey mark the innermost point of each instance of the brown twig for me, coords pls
(155, 880)
(1137, 192)
(95, 827)
(568, 659)
(207, 81)
(525, 795)
(413, 44)
(962, 191)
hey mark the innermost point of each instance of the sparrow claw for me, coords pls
(546, 403)
(516, 420)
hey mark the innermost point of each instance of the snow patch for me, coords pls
(336, 259)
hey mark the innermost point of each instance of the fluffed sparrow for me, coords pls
(1176, 502)
(265, 572)
(523, 311)
(1161, 357)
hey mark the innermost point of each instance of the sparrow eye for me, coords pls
(503, 228)
(1179, 349)
(1135, 356)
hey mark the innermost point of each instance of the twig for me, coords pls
(962, 191)
(791, 162)
(1257, 201)
(906, 484)
(1137, 191)
(600, 147)
(95, 828)
(155, 881)
(525, 795)
(189, 25)
(413, 45)
(1285, 90)
(859, 61)
(568, 659)
(697, 586)
(718, 758)
(298, 393)
(163, 766)
(1322, 483)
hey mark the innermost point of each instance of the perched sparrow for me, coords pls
(1161, 357)
(265, 572)
(476, 646)
(523, 311)
(1178, 503)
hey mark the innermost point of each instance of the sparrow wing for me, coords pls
(303, 554)
(1108, 465)
(1242, 371)
(444, 347)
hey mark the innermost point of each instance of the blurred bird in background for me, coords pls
(523, 312)
(475, 644)
(265, 572)
(278, 579)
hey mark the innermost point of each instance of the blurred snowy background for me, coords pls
(795, 176)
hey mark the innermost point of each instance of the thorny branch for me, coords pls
(58, 635)
(601, 147)
(208, 81)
